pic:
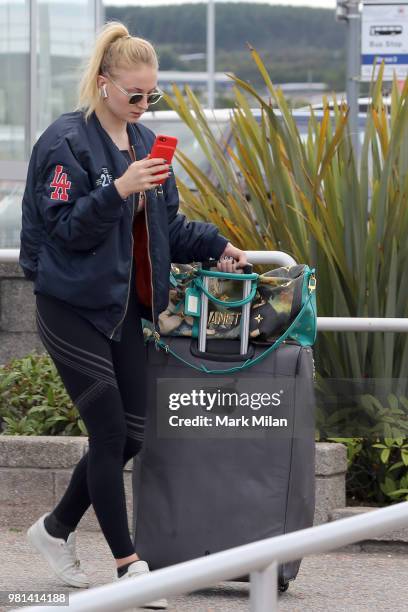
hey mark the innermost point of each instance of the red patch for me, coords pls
(60, 184)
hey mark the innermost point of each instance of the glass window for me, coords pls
(14, 78)
(66, 31)
(11, 194)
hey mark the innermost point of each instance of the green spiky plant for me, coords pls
(309, 199)
(312, 199)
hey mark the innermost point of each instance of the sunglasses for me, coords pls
(134, 98)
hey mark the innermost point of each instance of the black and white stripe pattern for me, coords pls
(136, 426)
(90, 394)
(79, 359)
(92, 365)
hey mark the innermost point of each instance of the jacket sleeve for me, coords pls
(74, 214)
(190, 240)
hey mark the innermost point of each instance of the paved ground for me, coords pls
(342, 581)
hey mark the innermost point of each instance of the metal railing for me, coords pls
(9, 255)
(259, 559)
(360, 324)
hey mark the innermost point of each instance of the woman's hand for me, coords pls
(231, 259)
(140, 176)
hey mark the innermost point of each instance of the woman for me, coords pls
(98, 235)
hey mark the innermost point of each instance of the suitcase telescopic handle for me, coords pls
(245, 309)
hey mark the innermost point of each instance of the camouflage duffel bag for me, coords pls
(279, 296)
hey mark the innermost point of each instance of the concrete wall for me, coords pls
(18, 334)
(35, 471)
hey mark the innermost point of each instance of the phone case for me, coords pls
(164, 147)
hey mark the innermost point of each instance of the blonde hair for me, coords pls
(114, 48)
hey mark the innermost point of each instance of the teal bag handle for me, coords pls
(253, 276)
(249, 362)
(231, 304)
(216, 273)
(231, 275)
(202, 272)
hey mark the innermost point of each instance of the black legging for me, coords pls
(106, 381)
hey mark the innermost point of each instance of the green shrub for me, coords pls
(33, 399)
(377, 470)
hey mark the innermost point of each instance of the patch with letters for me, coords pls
(105, 178)
(60, 184)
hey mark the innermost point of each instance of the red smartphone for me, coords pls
(164, 148)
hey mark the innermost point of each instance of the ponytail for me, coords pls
(114, 48)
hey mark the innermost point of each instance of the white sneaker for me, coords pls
(60, 554)
(138, 568)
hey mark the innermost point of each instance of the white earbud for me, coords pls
(104, 92)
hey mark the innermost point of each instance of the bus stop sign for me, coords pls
(384, 36)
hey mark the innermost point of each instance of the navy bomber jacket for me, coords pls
(79, 236)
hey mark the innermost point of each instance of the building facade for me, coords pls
(43, 44)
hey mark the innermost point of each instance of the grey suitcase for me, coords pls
(202, 489)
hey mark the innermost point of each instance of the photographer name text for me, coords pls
(226, 421)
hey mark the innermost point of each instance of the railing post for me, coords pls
(264, 589)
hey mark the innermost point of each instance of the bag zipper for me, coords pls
(131, 256)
